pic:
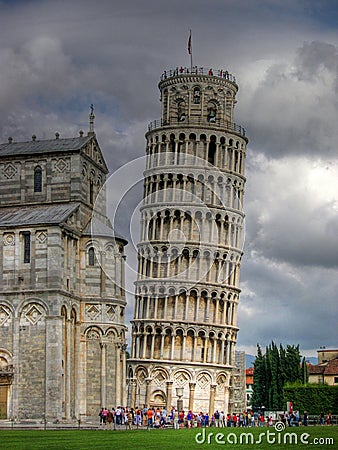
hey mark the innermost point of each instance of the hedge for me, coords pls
(313, 398)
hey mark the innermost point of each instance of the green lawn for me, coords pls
(163, 439)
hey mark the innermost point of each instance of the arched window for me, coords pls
(37, 179)
(197, 95)
(212, 112)
(91, 191)
(181, 111)
(212, 150)
(91, 256)
(26, 236)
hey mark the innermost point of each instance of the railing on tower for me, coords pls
(197, 121)
(198, 71)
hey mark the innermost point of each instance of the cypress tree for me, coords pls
(272, 371)
(259, 385)
(293, 364)
(304, 371)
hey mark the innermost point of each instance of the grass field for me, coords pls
(168, 439)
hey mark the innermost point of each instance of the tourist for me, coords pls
(129, 418)
(305, 419)
(138, 417)
(217, 418)
(150, 415)
(110, 419)
(176, 420)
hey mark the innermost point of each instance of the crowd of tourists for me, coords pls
(145, 417)
(161, 418)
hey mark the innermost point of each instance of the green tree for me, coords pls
(259, 392)
(272, 371)
(304, 371)
(293, 364)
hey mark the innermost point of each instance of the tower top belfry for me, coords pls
(198, 96)
(185, 321)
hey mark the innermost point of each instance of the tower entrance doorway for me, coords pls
(3, 401)
(158, 401)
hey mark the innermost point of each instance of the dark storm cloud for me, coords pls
(58, 57)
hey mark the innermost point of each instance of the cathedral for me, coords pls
(62, 298)
(185, 320)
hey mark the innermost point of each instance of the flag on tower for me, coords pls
(189, 44)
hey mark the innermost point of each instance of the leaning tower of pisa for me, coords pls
(185, 320)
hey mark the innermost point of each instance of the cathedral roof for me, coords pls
(36, 215)
(97, 228)
(44, 146)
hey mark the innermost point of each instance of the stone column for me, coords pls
(216, 310)
(212, 398)
(162, 344)
(133, 392)
(191, 395)
(169, 395)
(194, 348)
(226, 399)
(145, 334)
(206, 342)
(118, 375)
(16, 361)
(221, 359)
(184, 337)
(207, 310)
(103, 274)
(82, 380)
(172, 346)
(77, 375)
(147, 393)
(123, 374)
(214, 351)
(227, 353)
(152, 336)
(53, 368)
(67, 371)
(103, 346)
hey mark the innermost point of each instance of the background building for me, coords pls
(249, 380)
(185, 320)
(238, 396)
(326, 371)
(62, 300)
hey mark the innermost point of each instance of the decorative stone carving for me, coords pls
(111, 312)
(9, 171)
(9, 239)
(159, 377)
(33, 314)
(93, 335)
(4, 315)
(41, 236)
(141, 376)
(61, 165)
(203, 380)
(93, 311)
(181, 378)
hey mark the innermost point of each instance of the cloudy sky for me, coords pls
(57, 57)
